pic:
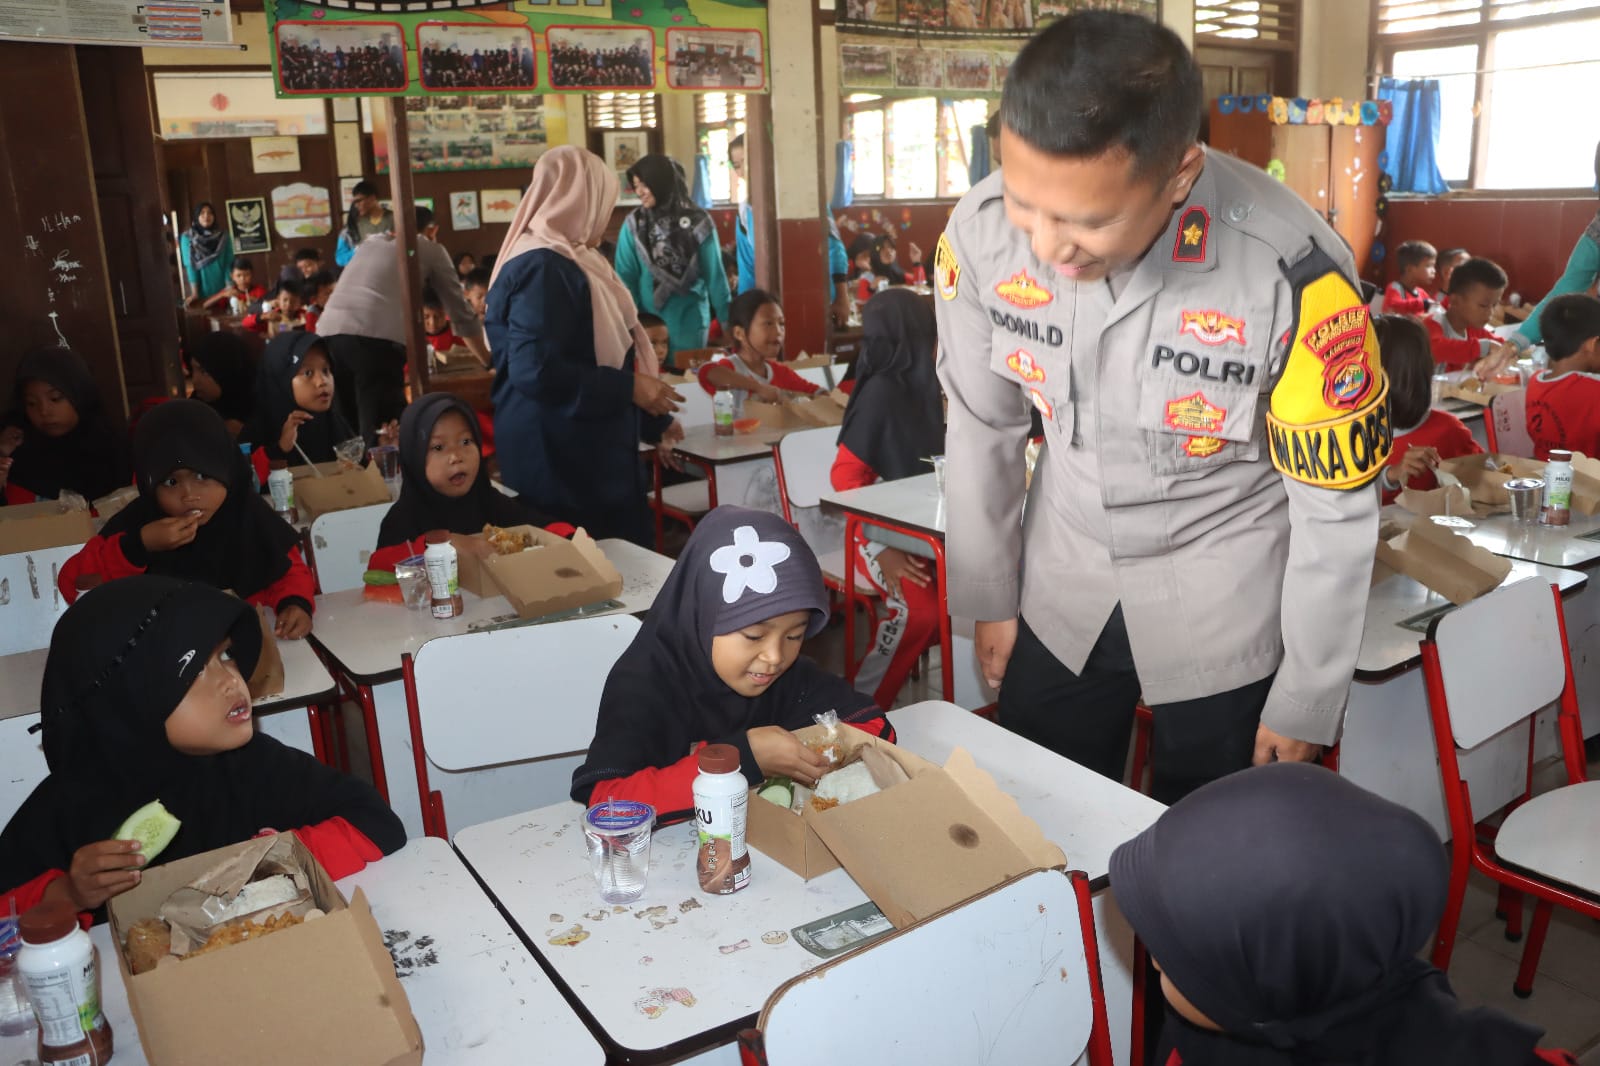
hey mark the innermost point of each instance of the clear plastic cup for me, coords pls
(618, 836)
(386, 458)
(938, 472)
(412, 576)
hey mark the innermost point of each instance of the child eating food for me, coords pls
(752, 366)
(144, 699)
(718, 661)
(296, 419)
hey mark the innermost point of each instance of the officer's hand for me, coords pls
(1275, 747)
(995, 641)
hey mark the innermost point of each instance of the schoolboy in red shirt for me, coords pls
(436, 324)
(1447, 262)
(1459, 333)
(1564, 401)
(1407, 295)
(242, 285)
(1423, 436)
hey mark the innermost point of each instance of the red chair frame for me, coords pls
(663, 511)
(433, 820)
(1467, 842)
(852, 530)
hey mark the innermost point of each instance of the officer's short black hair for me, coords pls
(1567, 322)
(1408, 364)
(1478, 271)
(477, 278)
(1413, 253)
(424, 217)
(1101, 80)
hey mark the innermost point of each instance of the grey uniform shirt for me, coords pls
(1156, 487)
(366, 302)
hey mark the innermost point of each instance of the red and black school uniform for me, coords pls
(1442, 431)
(1398, 300)
(1454, 350)
(90, 460)
(1563, 411)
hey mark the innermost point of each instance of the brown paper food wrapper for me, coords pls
(1444, 562)
(1474, 391)
(1455, 500)
(186, 910)
(1585, 484)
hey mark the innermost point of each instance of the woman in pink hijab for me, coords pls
(576, 386)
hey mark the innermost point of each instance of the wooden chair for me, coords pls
(1505, 424)
(1010, 976)
(484, 705)
(1489, 666)
(341, 544)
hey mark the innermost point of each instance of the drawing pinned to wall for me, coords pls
(301, 210)
(464, 210)
(623, 149)
(499, 205)
(275, 155)
(247, 225)
(347, 147)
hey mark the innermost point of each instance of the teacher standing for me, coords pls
(668, 255)
(576, 385)
(207, 255)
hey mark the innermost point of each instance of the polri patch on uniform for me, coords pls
(1211, 327)
(1044, 406)
(1195, 414)
(1340, 342)
(1193, 227)
(946, 271)
(1202, 447)
(1019, 290)
(1022, 364)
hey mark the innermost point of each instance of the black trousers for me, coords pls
(1088, 717)
(369, 381)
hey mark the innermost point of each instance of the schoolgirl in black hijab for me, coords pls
(144, 698)
(197, 518)
(56, 433)
(444, 483)
(1285, 907)
(718, 661)
(895, 418)
(222, 374)
(294, 401)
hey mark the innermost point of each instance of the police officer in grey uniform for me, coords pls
(1198, 532)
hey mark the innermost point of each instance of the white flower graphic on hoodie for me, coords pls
(748, 563)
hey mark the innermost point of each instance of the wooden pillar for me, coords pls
(760, 165)
(403, 203)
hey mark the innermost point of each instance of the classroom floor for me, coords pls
(1566, 993)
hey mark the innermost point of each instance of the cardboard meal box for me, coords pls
(555, 574)
(28, 527)
(806, 412)
(1474, 391)
(321, 991)
(1444, 562)
(940, 836)
(338, 490)
(1483, 476)
(1585, 484)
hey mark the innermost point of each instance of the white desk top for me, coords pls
(1387, 647)
(913, 502)
(477, 994)
(21, 673)
(1550, 545)
(534, 864)
(702, 443)
(367, 637)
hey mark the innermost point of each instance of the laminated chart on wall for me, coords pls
(164, 22)
(423, 47)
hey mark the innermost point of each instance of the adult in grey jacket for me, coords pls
(1197, 531)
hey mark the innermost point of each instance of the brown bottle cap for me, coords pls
(719, 759)
(47, 923)
(1560, 455)
(438, 536)
(278, 464)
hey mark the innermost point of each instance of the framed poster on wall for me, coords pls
(247, 225)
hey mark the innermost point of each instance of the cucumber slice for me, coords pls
(379, 577)
(780, 792)
(153, 826)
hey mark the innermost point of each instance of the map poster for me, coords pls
(425, 47)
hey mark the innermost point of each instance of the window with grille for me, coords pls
(621, 111)
(1247, 20)
(718, 119)
(911, 149)
(1513, 76)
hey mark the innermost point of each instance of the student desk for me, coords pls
(680, 971)
(730, 463)
(1388, 745)
(363, 640)
(477, 994)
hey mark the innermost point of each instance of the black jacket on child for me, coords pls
(895, 419)
(275, 401)
(121, 660)
(90, 460)
(226, 358)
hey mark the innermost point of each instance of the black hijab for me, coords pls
(275, 400)
(671, 233)
(422, 507)
(1289, 905)
(881, 266)
(226, 357)
(245, 546)
(87, 460)
(121, 660)
(895, 418)
(740, 567)
(205, 242)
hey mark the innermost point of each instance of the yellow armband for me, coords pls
(1329, 421)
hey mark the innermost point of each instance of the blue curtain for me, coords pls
(702, 181)
(1413, 136)
(844, 176)
(978, 162)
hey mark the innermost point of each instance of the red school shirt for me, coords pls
(778, 375)
(1564, 412)
(1440, 430)
(1453, 351)
(1398, 301)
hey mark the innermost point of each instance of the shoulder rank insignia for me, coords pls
(1329, 421)
(1193, 226)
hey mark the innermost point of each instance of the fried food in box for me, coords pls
(237, 932)
(506, 541)
(149, 941)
